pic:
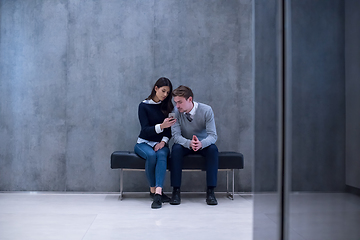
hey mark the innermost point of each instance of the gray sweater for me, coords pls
(202, 125)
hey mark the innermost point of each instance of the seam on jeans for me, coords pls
(142, 152)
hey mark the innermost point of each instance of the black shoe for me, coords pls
(210, 197)
(165, 198)
(175, 199)
(152, 195)
(157, 203)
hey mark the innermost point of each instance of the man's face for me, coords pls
(182, 104)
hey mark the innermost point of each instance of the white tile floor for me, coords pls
(69, 216)
(46, 215)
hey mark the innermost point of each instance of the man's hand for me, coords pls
(159, 146)
(195, 144)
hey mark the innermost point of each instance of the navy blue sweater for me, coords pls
(149, 116)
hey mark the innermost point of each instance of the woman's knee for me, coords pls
(163, 153)
(151, 156)
(144, 151)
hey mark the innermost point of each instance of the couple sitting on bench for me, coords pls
(192, 126)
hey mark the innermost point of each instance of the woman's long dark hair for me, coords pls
(166, 105)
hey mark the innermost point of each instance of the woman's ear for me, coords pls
(156, 88)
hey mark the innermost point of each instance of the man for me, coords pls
(193, 133)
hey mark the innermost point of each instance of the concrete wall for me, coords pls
(73, 73)
(352, 60)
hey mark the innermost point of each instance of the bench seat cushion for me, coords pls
(130, 160)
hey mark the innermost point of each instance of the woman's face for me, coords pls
(161, 93)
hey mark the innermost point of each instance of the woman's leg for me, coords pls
(147, 152)
(160, 169)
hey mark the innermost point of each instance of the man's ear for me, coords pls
(190, 98)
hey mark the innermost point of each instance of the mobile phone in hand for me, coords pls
(171, 115)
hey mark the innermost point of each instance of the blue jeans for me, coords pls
(155, 163)
(211, 155)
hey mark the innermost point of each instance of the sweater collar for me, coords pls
(150, 101)
(193, 110)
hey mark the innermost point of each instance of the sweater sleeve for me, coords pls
(176, 133)
(146, 128)
(210, 129)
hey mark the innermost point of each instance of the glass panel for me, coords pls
(265, 182)
(322, 170)
(325, 37)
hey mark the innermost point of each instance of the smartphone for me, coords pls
(171, 115)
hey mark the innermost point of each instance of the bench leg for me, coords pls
(227, 183)
(233, 184)
(121, 184)
(229, 195)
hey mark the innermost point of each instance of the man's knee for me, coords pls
(177, 148)
(213, 149)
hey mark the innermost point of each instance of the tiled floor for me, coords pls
(68, 216)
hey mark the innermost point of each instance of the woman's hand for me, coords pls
(168, 122)
(159, 146)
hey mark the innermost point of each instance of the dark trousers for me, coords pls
(211, 155)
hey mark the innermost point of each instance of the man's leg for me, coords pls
(177, 154)
(176, 165)
(211, 155)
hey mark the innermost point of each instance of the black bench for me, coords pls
(228, 161)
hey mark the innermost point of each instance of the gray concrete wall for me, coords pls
(73, 73)
(352, 70)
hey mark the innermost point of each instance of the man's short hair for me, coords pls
(183, 91)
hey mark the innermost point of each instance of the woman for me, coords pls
(154, 136)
